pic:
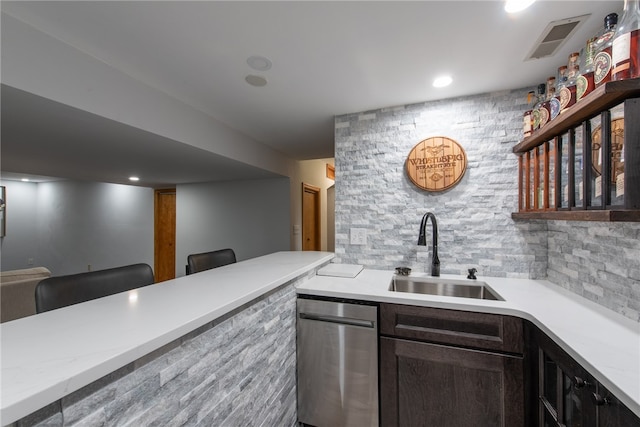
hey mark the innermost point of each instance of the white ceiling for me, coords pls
(329, 58)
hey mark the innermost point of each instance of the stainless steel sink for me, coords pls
(443, 287)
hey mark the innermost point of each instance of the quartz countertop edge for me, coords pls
(47, 356)
(604, 342)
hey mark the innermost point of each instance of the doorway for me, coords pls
(331, 218)
(165, 234)
(310, 218)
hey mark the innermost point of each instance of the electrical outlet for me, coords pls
(30, 261)
(358, 236)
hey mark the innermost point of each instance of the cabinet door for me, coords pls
(612, 412)
(434, 385)
(568, 393)
(564, 388)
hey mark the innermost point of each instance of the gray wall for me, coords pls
(67, 226)
(251, 217)
(596, 260)
(20, 245)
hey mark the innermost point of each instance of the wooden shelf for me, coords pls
(581, 215)
(602, 98)
(559, 136)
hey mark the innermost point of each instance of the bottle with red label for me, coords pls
(545, 110)
(573, 70)
(602, 63)
(625, 51)
(584, 81)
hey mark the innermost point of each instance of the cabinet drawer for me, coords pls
(461, 328)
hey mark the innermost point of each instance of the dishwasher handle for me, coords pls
(339, 320)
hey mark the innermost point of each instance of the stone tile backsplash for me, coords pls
(474, 217)
(373, 192)
(600, 261)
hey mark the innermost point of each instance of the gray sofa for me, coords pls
(17, 292)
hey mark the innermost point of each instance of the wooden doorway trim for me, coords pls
(310, 218)
(164, 234)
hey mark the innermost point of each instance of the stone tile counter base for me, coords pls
(236, 371)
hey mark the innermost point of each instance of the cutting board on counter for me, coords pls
(340, 270)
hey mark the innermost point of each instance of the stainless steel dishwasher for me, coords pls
(337, 353)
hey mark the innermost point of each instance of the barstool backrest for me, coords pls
(208, 260)
(61, 291)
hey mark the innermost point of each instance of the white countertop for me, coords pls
(606, 343)
(52, 354)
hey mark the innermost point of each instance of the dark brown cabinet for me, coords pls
(612, 412)
(566, 395)
(450, 368)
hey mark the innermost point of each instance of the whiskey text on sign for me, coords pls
(436, 164)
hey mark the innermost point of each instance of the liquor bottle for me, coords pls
(562, 92)
(602, 60)
(527, 117)
(545, 108)
(568, 95)
(625, 51)
(554, 96)
(535, 114)
(584, 82)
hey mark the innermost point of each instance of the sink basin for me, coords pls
(443, 287)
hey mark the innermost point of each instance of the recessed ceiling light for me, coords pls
(259, 63)
(442, 81)
(25, 180)
(134, 178)
(254, 80)
(513, 6)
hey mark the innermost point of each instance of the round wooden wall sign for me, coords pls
(436, 164)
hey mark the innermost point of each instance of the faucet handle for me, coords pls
(472, 273)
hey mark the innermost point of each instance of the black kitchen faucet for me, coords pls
(422, 241)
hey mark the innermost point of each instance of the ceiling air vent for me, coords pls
(554, 36)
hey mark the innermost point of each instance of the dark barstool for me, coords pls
(208, 260)
(61, 291)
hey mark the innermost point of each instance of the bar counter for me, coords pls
(53, 362)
